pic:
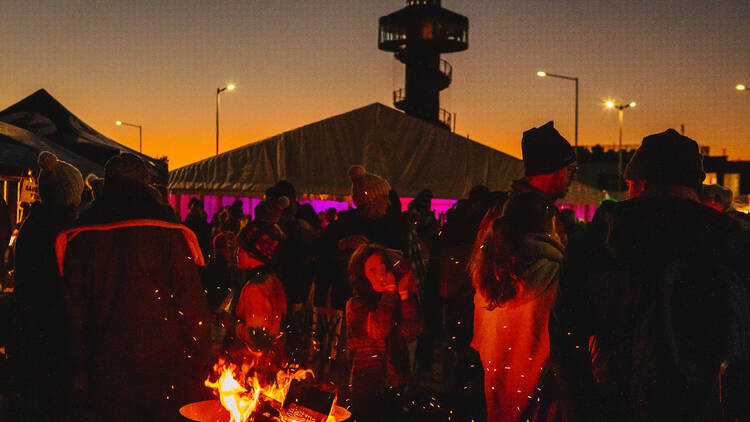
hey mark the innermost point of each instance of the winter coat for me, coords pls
(641, 328)
(390, 231)
(261, 305)
(196, 222)
(138, 319)
(523, 186)
(296, 259)
(513, 339)
(39, 353)
(378, 331)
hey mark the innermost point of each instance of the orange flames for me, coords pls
(240, 389)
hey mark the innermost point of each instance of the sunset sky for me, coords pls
(158, 64)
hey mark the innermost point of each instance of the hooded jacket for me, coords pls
(512, 339)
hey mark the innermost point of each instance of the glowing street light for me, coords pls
(229, 87)
(140, 133)
(741, 87)
(620, 108)
(543, 74)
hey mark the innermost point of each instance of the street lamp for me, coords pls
(218, 92)
(542, 74)
(741, 87)
(140, 133)
(620, 108)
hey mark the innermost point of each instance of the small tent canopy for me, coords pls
(410, 153)
(20, 149)
(40, 123)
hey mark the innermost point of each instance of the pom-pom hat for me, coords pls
(366, 186)
(60, 184)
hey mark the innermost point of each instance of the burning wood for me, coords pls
(252, 392)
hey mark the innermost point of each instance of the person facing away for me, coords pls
(137, 315)
(38, 291)
(550, 166)
(381, 318)
(515, 266)
(640, 333)
(195, 220)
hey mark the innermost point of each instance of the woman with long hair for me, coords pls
(515, 268)
(382, 317)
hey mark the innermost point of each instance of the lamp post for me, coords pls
(542, 74)
(140, 133)
(620, 108)
(218, 92)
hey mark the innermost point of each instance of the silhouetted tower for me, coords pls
(417, 34)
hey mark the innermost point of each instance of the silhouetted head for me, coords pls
(665, 162)
(548, 159)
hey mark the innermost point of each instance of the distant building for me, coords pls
(599, 169)
(734, 175)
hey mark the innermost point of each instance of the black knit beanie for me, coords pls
(545, 150)
(667, 158)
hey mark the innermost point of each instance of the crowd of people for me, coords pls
(512, 310)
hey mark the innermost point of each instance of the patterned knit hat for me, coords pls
(366, 186)
(261, 240)
(60, 184)
(269, 210)
(545, 151)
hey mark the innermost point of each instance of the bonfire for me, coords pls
(255, 390)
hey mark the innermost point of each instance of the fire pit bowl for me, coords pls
(213, 411)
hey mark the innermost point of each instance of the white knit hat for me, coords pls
(60, 184)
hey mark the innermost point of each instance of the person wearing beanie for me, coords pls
(60, 184)
(369, 192)
(262, 303)
(126, 194)
(550, 166)
(138, 319)
(661, 294)
(666, 162)
(370, 222)
(38, 290)
(269, 211)
(549, 162)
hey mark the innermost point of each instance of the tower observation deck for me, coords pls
(417, 35)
